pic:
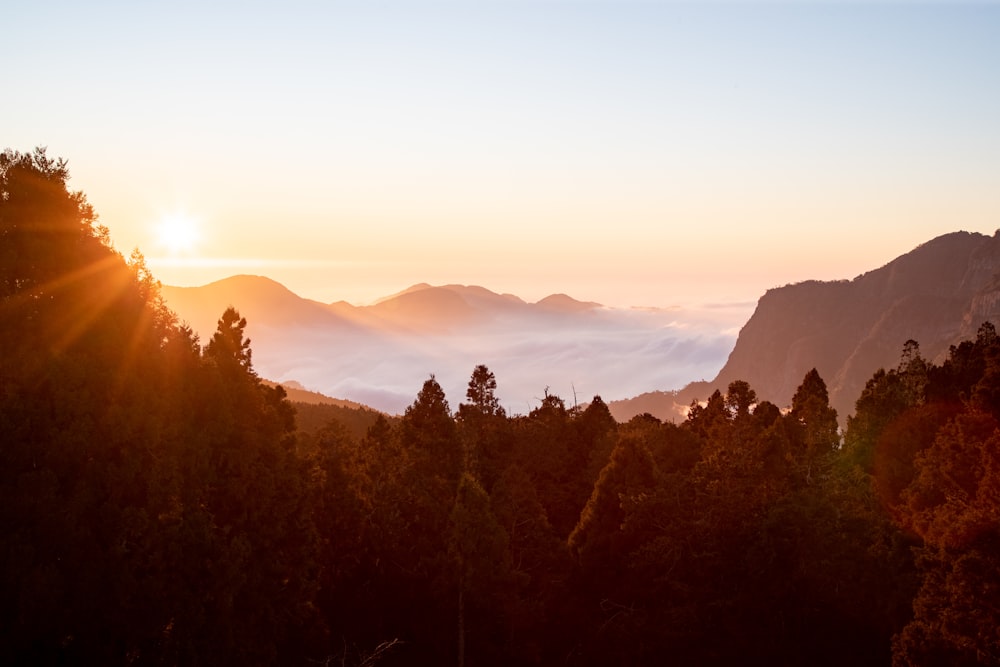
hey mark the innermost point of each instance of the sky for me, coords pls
(634, 153)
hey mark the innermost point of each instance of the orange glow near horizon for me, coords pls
(644, 154)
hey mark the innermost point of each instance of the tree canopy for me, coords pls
(161, 504)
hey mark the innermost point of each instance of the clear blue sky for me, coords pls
(643, 153)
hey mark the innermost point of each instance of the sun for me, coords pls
(178, 233)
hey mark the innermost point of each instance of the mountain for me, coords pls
(258, 298)
(938, 294)
(566, 304)
(380, 354)
(296, 393)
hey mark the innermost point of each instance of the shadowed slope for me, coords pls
(938, 294)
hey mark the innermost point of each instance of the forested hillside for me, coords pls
(159, 506)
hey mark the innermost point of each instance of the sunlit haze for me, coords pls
(630, 153)
(177, 234)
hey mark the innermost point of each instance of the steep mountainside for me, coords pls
(938, 294)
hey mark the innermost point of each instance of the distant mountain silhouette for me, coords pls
(380, 354)
(565, 304)
(427, 309)
(296, 393)
(256, 297)
(938, 294)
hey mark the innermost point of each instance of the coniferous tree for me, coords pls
(816, 433)
(484, 429)
(152, 504)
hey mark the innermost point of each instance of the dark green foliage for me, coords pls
(814, 424)
(734, 525)
(160, 504)
(952, 503)
(310, 418)
(153, 509)
(487, 439)
(598, 541)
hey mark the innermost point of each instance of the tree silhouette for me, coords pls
(482, 393)
(484, 429)
(816, 431)
(228, 346)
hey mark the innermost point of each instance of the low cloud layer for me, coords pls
(381, 358)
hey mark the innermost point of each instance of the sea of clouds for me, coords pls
(614, 353)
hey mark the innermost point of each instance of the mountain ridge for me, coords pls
(937, 294)
(379, 354)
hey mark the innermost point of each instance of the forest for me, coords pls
(160, 504)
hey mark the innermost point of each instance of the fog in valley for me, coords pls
(380, 355)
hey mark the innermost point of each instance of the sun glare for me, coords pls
(178, 233)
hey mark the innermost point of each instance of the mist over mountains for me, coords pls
(638, 360)
(380, 354)
(938, 295)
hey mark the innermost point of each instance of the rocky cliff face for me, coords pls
(938, 295)
(983, 277)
